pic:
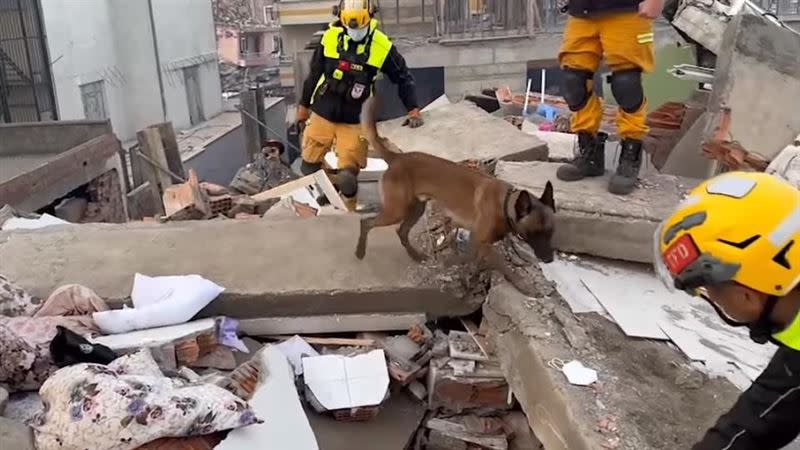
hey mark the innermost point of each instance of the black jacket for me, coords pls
(592, 8)
(335, 107)
(767, 415)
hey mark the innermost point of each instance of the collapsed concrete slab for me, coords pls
(756, 87)
(593, 221)
(533, 337)
(463, 131)
(268, 267)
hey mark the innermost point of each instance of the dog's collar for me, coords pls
(506, 201)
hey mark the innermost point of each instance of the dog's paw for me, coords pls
(360, 252)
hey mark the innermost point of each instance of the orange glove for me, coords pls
(302, 114)
(414, 119)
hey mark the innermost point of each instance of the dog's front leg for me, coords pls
(367, 223)
(489, 258)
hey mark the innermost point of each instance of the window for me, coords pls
(94, 101)
(194, 98)
(277, 45)
(270, 16)
(242, 44)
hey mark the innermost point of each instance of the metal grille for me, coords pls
(26, 89)
(789, 9)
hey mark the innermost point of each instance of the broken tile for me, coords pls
(15, 435)
(186, 196)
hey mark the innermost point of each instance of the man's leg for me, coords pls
(628, 45)
(579, 58)
(317, 140)
(351, 153)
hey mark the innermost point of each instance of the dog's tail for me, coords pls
(370, 130)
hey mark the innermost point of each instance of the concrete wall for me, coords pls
(220, 160)
(48, 137)
(186, 37)
(112, 41)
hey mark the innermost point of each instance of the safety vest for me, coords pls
(353, 74)
(790, 336)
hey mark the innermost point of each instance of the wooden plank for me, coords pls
(318, 178)
(171, 149)
(186, 195)
(249, 112)
(459, 431)
(331, 341)
(144, 201)
(150, 145)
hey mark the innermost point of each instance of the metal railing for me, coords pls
(789, 9)
(26, 89)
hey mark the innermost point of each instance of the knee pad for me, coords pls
(348, 182)
(626, 86)
(575, 88)
(307, 168)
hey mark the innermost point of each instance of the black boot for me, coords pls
(590, 160)
(630, 161)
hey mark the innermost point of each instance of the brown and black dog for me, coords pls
(487, 207)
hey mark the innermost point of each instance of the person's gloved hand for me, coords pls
(414, 119)
(302, 114)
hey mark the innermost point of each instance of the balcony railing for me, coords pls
(258, 59)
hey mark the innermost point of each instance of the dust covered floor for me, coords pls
(647, 396)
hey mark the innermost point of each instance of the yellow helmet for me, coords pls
(739, 226)
(355, 13)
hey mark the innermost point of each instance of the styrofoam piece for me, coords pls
(21, 223)
(155, 337)
(340, 382)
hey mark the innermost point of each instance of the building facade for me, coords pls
(133, 62)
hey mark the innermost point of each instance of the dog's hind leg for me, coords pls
(414, 213)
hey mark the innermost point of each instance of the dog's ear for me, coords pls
(547, 196)
(523, 205)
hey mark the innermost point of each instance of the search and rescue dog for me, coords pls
(489, 208)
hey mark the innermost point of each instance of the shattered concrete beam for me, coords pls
(590, 220)
(331, 323)
(463, 131)
(554, 417)
(269, 267)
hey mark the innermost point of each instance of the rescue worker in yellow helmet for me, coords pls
(343, 72)
(735, 242)
(622, 31)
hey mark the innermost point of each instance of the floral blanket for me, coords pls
(27, 325)
(129, 403)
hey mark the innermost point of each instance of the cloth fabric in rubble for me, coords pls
(129, 403)
(27, 327)
(68, 348)
(160, 302)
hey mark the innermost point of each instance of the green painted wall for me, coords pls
(660, 86)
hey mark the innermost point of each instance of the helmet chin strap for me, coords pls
(762, 329)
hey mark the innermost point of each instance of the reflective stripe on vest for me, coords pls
(379, 48)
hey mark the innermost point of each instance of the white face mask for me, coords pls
(358, 34)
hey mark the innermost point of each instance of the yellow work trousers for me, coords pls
(626, 41)
(321, 135)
